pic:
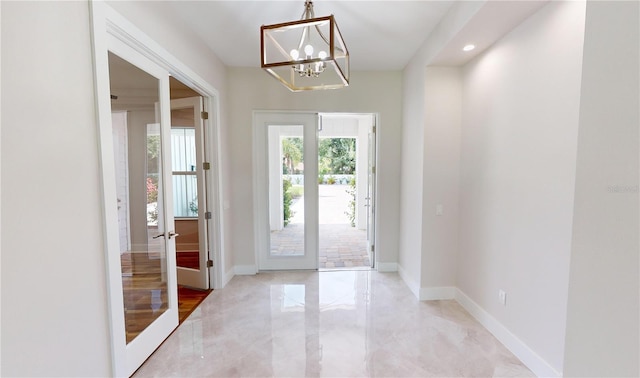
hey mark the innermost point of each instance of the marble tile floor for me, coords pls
(329, 324)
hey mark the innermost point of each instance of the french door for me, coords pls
(286, 190)
(189, 191)
(137, 179)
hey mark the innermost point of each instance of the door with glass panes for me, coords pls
(189, 191)
(287, 225)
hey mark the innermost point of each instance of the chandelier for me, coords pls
(307, 54)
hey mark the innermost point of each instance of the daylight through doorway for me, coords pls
(343, 192)
(341, 165)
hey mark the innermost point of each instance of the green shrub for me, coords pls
(351, 210)
(296, 191)
(286, 201)
(331, 180)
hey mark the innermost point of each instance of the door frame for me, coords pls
(105, 24)
(366, 201)
(372, 189)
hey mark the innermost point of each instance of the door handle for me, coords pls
(171, 235)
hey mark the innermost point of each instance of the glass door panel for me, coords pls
(138, 166)
(286, 190)
(185, 192)
(189, 191)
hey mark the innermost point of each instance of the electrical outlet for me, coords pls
(502, 297)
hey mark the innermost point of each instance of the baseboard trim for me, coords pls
(387, 267)
(411, 284)
(437, 293)
(245, 270)
(528, 357)
(228, 275)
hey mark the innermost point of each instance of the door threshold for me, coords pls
(346, 268)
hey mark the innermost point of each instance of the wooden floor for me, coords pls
(145, 292)
(189, 299)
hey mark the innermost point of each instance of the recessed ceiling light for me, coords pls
(468, 47)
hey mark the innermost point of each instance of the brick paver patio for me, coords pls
(341, 246)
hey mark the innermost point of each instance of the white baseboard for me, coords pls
(387, 267)
(245, 270)
(227, 276)
(437, 293)
(533, 361)
(409, 281)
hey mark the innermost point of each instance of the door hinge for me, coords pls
(373, 170)
(374, 129)
(206, 166)
(204, 115)
(209, 263)
(207, 215)
(373, 248)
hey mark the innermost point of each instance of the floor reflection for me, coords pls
(145, 291)
(330, 324)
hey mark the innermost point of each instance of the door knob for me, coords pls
(158, 236)
(172, 234)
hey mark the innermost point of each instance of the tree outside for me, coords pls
(336, 156)
(292, 154)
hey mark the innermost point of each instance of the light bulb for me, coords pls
(308, 49)
(322, 55)
(468, 47)
(294, 54)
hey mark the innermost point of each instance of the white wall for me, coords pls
(519, 140)
(602, 321)
(440, 186)
(413, 137)
(54, 303)
(53, 262)
(410, 240)
(370, 92)
(0, 184)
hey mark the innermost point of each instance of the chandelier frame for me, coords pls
(290, 78)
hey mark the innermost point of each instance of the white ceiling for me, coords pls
(380, 34)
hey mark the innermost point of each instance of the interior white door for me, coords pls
(371, 193)
(189, 191)
(142, 278)
(286, 190)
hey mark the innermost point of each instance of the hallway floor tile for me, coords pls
(329, 324)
